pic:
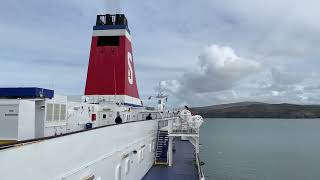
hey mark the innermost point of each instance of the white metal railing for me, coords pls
(166, 123)
(180, 126)
(176, 128)
(199, 167)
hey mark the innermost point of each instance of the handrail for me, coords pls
(30, 141)
(200, 171)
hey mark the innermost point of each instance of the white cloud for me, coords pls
(221, 76)
(217, 69)
(283, 77)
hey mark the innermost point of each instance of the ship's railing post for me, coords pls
(170, 151)
(170, 125)
(199, 167)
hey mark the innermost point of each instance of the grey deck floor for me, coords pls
(183, 168)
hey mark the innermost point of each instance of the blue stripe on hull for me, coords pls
(110, 27)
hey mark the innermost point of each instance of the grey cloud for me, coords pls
(286, 78)
(218, 69)
(273, 28)
(165, 68)
(112, 6)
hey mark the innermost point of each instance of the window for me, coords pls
(108, 41)
(118, 172)
(141, 155)
(104, 116)
(63, 108)
(127, 166)
(49, 112)
(56, 112)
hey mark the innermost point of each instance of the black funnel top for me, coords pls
(111, 20)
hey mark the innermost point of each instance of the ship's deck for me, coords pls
(184, 165)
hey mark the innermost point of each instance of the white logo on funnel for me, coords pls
(130, 70)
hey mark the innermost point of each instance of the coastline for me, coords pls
(259, 110)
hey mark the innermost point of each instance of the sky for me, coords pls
(200, 52)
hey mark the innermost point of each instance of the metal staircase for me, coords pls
(162, 148)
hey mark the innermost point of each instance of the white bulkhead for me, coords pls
(17, 120)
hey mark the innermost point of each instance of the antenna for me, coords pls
(115, 83)
(161, 97)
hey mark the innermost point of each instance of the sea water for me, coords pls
(261, 149)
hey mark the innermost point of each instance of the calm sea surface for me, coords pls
(263, 149)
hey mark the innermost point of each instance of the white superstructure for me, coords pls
(25, 119)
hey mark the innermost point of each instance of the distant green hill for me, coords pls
(259, 110)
